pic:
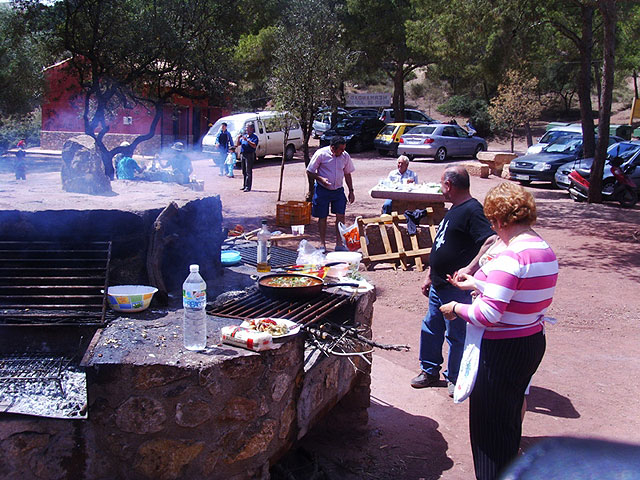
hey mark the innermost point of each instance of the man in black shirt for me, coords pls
(462, 235)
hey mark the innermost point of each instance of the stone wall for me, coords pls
(195, 232)
(159, 412)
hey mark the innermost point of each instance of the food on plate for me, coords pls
(289, 281)
(268, 325)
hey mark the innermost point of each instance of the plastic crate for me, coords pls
(293, 213)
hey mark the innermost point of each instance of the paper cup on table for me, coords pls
(297, 229)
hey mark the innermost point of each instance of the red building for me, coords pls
(184, 119)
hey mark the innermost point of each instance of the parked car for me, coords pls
(322, 121)
(410, 115)
(364, 112)
(268, 128)
(553, 134)
(358, 132)
(629, 151)
(386, 143)
(440, 141)
(542, 167)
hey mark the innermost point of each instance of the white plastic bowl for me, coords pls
(130, 298)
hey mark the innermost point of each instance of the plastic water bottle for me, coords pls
(263, 249)
(194, 301)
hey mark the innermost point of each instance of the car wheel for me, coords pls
(394, 151)
(479, 149)
(261, 159)
(608, 185)
(441, 154)
(382, 153)
(525, 182)
(289, 153)
(357, 146)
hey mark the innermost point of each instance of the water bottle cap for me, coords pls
(194, 268)
(264, 222)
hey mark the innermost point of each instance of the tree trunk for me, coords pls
(584, 82)
(527, 130)
(284, 158)
(608, 11)
(398, 93)
(513, 134)
(635, 83)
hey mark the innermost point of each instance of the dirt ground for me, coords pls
(585, 386)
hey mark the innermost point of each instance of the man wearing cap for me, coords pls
(329, 167)
(248, 143)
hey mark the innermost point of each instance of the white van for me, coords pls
(554, 133)
(268, 128)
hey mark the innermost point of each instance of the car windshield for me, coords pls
(553, 135)
(422, 130)
(349, 124)
(233, 126)
(566, 144)
(623, 149)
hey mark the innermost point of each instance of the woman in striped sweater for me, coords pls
(514, 291)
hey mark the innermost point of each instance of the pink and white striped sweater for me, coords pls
(516, 288)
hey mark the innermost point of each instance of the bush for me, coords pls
(14, 128)
(473, 109)
(456, 106)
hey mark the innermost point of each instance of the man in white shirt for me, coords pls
(329, 167)
(401, 175)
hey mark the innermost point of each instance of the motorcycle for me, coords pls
(619, 188)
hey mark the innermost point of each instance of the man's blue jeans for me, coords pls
(435, 329)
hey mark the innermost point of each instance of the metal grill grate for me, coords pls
(280, 257)
(50, 283)
(33, 368)
(305, 312)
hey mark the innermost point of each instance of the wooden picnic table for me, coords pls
(408, 199)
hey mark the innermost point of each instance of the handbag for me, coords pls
(469, 364)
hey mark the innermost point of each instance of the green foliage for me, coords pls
(473, 109)
(309, 61)
(14, 128)
(22, 58)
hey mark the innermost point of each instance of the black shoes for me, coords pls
(425, 380)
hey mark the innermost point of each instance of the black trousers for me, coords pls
(505, 370)
(247, 160)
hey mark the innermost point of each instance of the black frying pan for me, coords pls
(307, 291)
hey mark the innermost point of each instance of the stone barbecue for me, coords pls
(156, 410)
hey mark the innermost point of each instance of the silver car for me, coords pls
(440, 141)
(322, 121)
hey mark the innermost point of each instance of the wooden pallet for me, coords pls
(399, 255)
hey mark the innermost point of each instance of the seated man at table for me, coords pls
(400, 175)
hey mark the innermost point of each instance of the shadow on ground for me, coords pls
(395, 445)
(548, 402)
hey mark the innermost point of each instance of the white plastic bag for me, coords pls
(469, 364)
(309, 255)
(350, 236)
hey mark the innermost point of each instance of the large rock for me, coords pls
(82, 167)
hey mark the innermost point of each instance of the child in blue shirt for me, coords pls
(230, 161)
